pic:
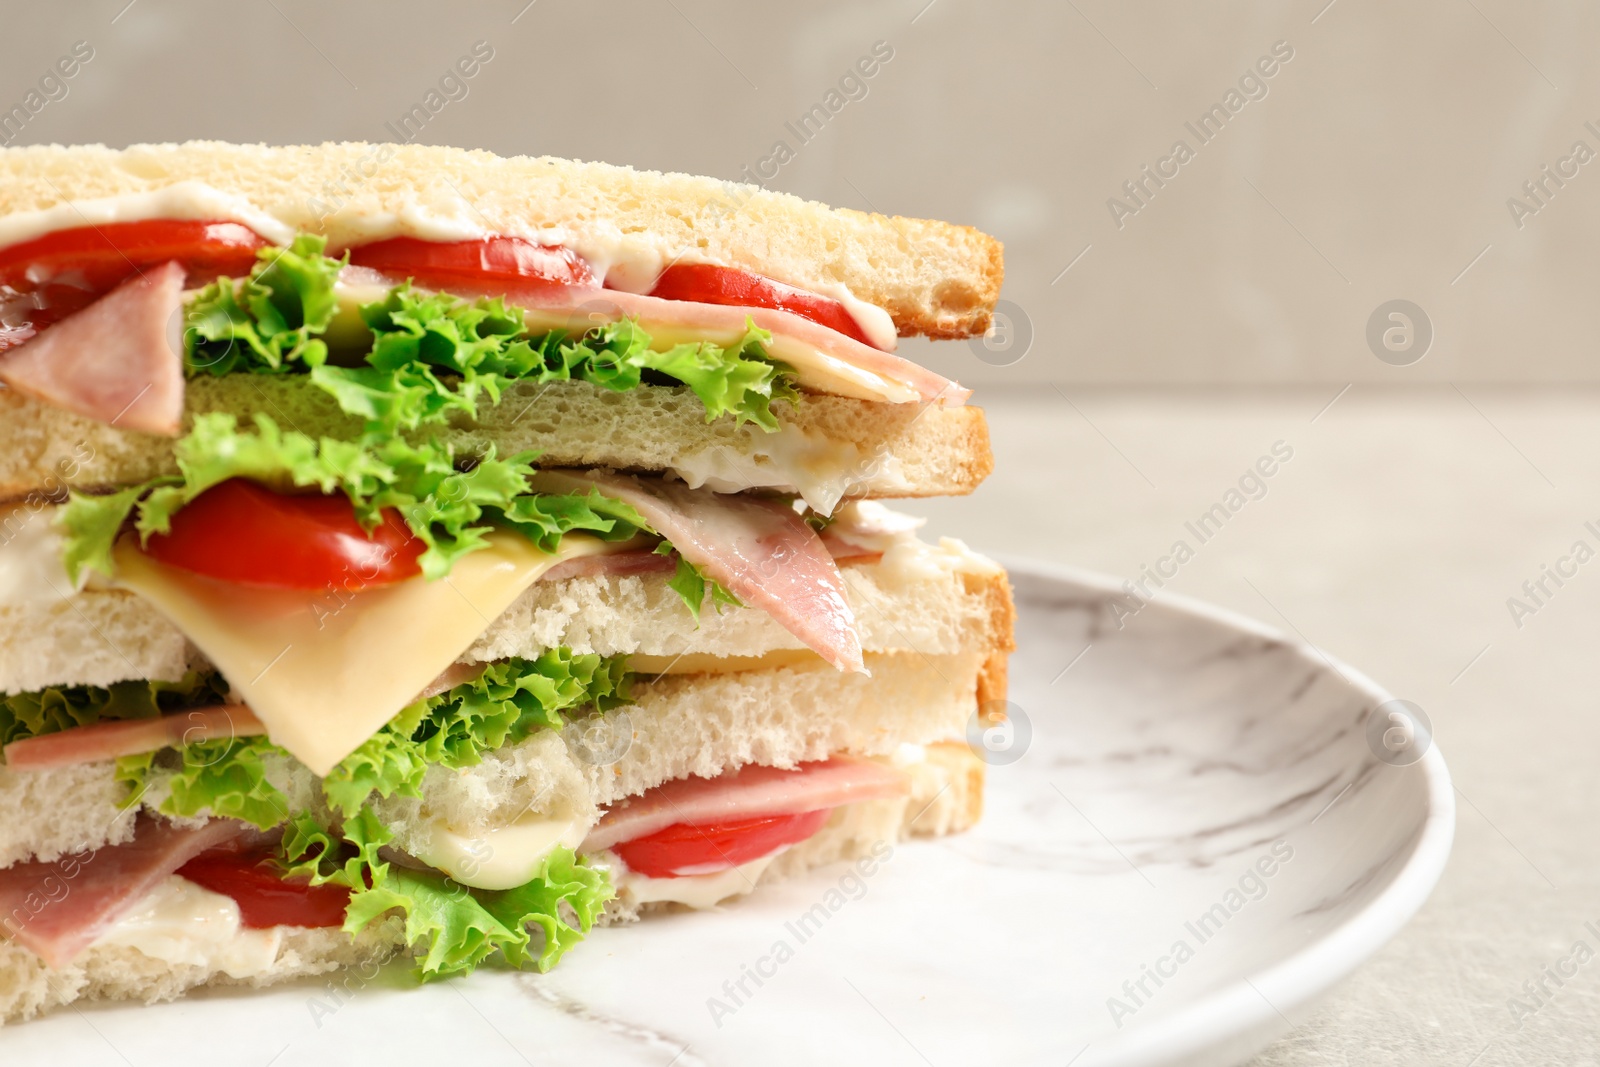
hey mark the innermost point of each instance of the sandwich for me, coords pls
(408, 552)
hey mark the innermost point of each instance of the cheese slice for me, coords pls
(325, 669)
(706, 663)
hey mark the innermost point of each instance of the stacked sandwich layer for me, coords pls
(414, 551)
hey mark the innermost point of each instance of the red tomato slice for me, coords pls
(239, 531)
(705, 284)
(479, 262)
(682, 849)
(46, 279)
(265, 897)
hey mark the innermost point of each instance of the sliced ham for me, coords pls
(118, 361)
(644, 561)
(748, 792)
(58, 909)
(623, 564)
(760, 550)
(109, 740)
(823, 359)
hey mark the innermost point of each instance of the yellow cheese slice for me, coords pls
(324, 670)
(706, 663)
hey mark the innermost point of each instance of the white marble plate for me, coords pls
(1198, 798)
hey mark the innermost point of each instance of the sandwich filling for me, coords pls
(333, 586)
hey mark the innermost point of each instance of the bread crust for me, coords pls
(884, 450)
(933, 278)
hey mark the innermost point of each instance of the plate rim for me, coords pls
(1238, 1008)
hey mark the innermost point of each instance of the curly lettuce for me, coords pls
(62, 707)
(506, 704)
(433, 354)
(693, 587)
(451, 505)
(450, 928)
(270, 322)
(224, 777)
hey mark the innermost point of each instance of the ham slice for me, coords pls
(58, 909)
(109, 740)
(118, 361)
(760, 550)
(748, 792)
(824, 360)
(649, 561)
(645, 561)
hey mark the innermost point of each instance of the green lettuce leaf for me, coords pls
(565, 879)
(450, 505)
(742, 382)
(270, 322)
(451, 928)
(502, 706)
(222, 777)
(90, 525)
(58, 708)
(434, 354)
(694, 587)
(227, 777)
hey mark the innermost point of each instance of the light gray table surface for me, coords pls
(1394, 538)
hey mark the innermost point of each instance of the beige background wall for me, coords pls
(1377, 165)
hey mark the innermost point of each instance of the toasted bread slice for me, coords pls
(859, 448)
(932, 278)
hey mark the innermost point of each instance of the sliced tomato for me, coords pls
(687, 849)
(239, 531)
(476, 263)
(265, 897)
(705, 284)
(44, 280)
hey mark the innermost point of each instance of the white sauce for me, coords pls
(693, 890)
(185, 200)
(875, 526)
(506, 856)
(823, 472)
(628, 261)
(912, 560)
(907, 755)
(31, 570)
(907, 559)
(181, 923)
